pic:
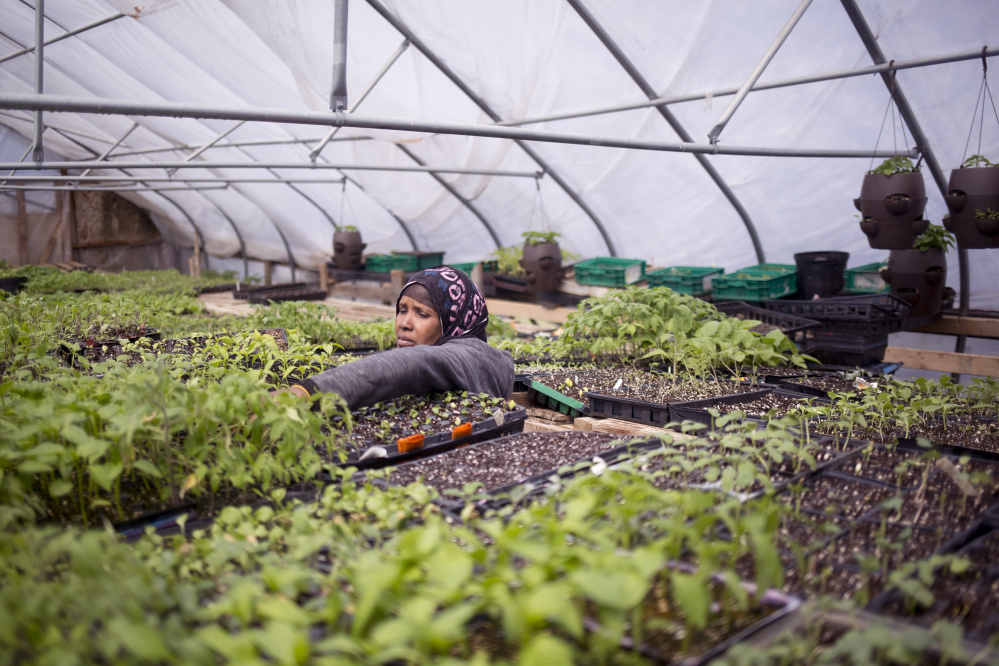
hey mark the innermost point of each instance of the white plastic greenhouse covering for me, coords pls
(519, 59)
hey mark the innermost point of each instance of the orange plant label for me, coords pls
(410, 443)
(462, 430)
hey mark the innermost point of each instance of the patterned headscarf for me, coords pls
(458, 302)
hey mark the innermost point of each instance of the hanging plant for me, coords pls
(973, 199)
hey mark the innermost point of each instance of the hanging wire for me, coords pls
(983, 91)
(343, 199)
(891, 109)
(539, 205)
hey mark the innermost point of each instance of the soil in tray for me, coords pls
(972, 603)
(839, 582)
(830, 495)
(503, 461)
(637, 385)
(769, 405)
(824, 383)
(665, 634)
(186, 346)
(386, 422)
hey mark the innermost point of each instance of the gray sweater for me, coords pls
(460, 364)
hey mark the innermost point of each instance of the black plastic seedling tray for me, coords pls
(244, 292)
(657, 413)
(296, 294)
(487, 429)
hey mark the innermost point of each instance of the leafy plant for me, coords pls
(346, 227)
(987, 214)
(977, 161)
(893, 165)
(540, 237)
(934, 238)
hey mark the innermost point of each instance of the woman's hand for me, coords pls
(294, 389)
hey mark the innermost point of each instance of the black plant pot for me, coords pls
(970, 190)
(542, 264)
(919, 278)
(820, 273)
(892, 208)
(347, 249)
(12, 284)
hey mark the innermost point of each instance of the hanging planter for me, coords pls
(347, 248)
(919, 276)
(542, 261)
(973, 201)
(891, 204)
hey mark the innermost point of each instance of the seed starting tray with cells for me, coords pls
(442, 442)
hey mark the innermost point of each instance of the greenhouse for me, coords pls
(551, 332)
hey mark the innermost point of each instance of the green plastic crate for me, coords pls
(693, 280)
(866, 279)
(754, 285)
(384, 263)
(610, 271)
(465, 267)
(772, 269)
(424, 259)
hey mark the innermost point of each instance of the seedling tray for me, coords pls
(693, 280)
(215, 288)
(657, 414)
(797, 329)
(385, 263)
(866, 279)
(754, 284)
(296, 294)
(553, 399)
(610, 271)
(442, 442)
(872, 314)
(244, 292)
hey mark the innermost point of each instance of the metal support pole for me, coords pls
(338, 91)
(281, 165)
(107, 188)
(772, 85)
(465, 202)
(758, 71)
(668, 116)
(193, 156)
(111, 148)
(120, 179)
(481, 103)
(38, 151)
(922, 142)
(364, 93)
(71, 33)
(297, 117)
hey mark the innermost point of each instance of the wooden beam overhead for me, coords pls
(975, 327)
(924, 359)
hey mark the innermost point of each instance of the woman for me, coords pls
(440, 328)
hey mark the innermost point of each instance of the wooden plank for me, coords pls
(541, 425)
(619, 427)
(548, 415)
(56, 230)
(522, 399)
(556, 315)
(976, 327)
(924, 359)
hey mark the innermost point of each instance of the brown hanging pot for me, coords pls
(919, 278)
(973, 201)
(891, 208)
(347, 249)
(542, 263)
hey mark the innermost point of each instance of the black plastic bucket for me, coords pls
(820, 273)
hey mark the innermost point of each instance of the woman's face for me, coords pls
(416, 324)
